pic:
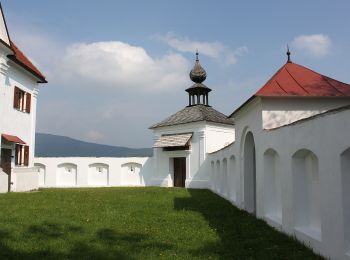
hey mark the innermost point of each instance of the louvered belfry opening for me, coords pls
(198, 92)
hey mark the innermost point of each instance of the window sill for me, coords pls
(22, 111)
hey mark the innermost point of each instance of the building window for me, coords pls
(22, 155)
(22, 100)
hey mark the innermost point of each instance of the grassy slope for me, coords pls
(135, 223)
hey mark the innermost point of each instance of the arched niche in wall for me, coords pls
(42, 173)
(232, 182)
(67, 174)
(272, 186)
(345, 179)
(249, 173)
(98, 174)
(212, 174)
(224, 179)
(217, 176)
(306, 193)
(131, 174)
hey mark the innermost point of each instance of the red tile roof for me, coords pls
(22, 60)
(295, 80)
(13, 139)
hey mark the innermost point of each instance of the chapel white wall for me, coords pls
(218, 136)
(206, 136)
(279, 111)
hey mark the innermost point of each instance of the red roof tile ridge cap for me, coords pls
(327, 80)
(290, 74)
(31, 65)
(281, 87)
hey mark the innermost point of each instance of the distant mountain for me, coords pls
(48, 145)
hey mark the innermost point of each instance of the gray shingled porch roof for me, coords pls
(195, 113)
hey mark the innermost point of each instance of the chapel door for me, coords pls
(179, 172)
(6, 164)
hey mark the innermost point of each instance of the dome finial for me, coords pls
(288, 55)
(198, 74)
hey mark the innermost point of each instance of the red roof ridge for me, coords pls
(281, 87)
(296, 80)
(20, 58)
(326, 79)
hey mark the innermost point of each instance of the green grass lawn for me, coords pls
(135, 223)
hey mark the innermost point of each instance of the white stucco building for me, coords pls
(20, 81)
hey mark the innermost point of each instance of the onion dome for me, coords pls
(198, 92)
(198, 74)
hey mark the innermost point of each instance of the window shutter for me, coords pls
(16, 154)
(28, 102)
(16, 98)
(26, 155)
(20, 161)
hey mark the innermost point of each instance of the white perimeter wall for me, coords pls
(302, 178)
(94, 172)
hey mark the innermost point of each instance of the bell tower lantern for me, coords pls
(198, 92)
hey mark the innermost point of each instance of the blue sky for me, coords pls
(116, 67)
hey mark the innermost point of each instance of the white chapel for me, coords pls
(183, 140)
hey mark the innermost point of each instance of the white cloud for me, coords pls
(119, 65)
(215, 49)
(315, 44)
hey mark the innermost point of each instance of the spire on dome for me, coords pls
(198, 74)
(288, 55)
(198, 92)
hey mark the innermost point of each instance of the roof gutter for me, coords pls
(14, 59)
